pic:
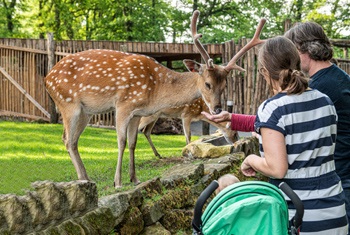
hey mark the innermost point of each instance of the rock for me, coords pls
(118, 204)
(205, 150)
(70, 227)
(15, 214)
(98, 221)
(152, 212)
(150, 188)
(232, 159)
(178, 219)
(3, 224)
(174, 199)
(223, 168)
(217, 141)
(156, 229)
(49, 231)
(248, 145)
(37, 210)
(179, 174)
(53, 198)
(81, 195)
(134, 223)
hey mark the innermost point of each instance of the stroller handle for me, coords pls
(197, 221)
(298, 217)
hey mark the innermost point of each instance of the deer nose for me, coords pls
(218, 110)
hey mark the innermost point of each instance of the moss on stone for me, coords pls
(134, 224)
(70, 227)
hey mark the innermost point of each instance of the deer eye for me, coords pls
(207, 85)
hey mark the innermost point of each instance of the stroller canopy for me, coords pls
(250, 207)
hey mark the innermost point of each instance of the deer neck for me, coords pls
(177, 89)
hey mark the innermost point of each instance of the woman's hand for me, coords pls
(246, 169)
(224, 116)
(275, 161)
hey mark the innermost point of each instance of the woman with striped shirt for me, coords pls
(297, 133)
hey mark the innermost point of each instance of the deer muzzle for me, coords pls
(218, 110)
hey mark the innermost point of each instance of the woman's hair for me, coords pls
(280, 58)
(309, 37)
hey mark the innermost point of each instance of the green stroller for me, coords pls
(250, 207)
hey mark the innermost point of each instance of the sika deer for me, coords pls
(188, 113)
(97, 81)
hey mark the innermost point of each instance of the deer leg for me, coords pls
(64, 138)
(146, 126)
(122, 122)
(186, 125)
(147, 132)
(74, 124)
(132, 139)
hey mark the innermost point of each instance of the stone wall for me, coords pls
(162, 205)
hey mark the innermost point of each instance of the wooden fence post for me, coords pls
(287, 24)
(51, 47)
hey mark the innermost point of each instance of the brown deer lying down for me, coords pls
(188, 113)
(97, 81)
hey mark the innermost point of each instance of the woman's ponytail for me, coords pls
(296, 81)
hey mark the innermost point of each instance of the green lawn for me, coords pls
(31, 151)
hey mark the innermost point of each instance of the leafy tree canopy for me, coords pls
(166, 20)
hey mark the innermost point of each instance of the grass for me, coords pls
(35, 152)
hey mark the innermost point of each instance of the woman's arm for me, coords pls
(239, 122)
(275, 163)
(242, 122)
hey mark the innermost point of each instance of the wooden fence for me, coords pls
(24, 64)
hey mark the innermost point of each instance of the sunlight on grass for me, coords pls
(35, 152)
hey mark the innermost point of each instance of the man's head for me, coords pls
(310, 38)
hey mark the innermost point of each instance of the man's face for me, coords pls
(304, 62)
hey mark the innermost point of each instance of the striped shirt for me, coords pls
(308, 122)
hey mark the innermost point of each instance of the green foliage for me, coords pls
(35, 152)
(165, 20)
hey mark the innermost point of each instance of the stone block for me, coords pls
(53, 199)
(155, 229)
(150, 188)
(205, 150)
(134, 223)
(152, 212)
(70, 227)
(81, 196)
(37, 211)
(97, 221)
(117, 203)
(181, 173)
(16, 214)
(177, 220)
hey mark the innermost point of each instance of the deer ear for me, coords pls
(192, 65)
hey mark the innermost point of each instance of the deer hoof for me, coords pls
(135, 181)
(116, 186)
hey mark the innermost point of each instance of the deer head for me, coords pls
(214, 76)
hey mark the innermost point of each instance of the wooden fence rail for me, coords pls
(25, 62)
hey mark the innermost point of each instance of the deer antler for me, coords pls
(255, 41)
(199, 46)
